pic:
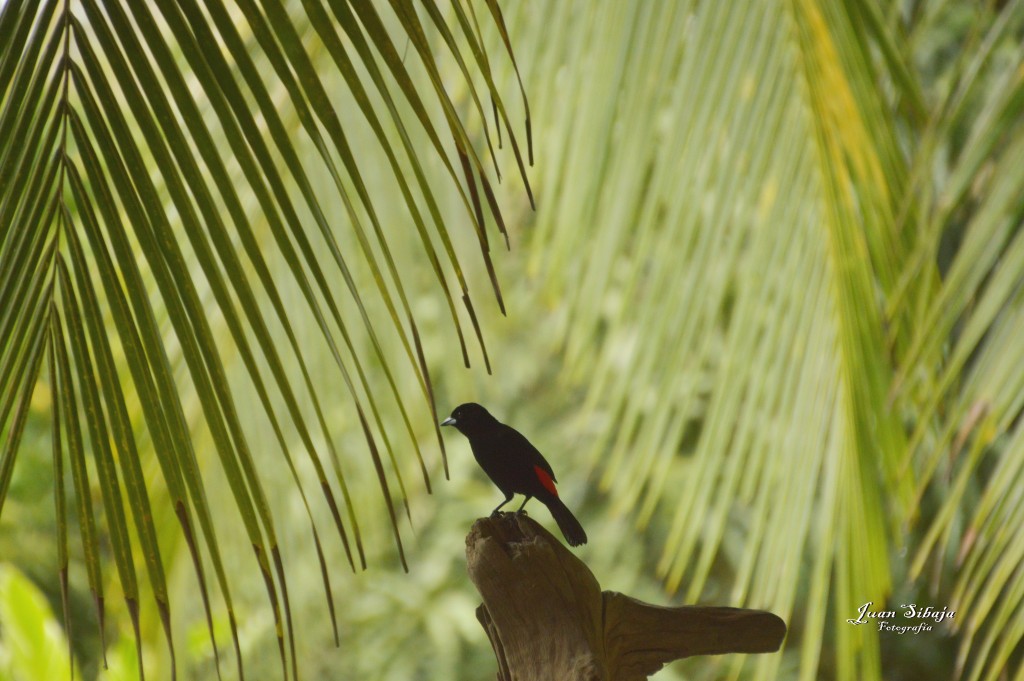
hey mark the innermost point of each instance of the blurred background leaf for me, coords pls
(32, 644)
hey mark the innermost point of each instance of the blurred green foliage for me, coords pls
(763, 323)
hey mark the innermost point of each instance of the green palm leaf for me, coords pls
(781, 360)
(133, 240)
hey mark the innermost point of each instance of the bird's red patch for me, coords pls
(545, 479)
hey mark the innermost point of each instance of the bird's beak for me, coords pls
(448, 422)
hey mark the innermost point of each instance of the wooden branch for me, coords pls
(547, 617)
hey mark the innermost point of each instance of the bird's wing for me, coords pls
(515, 439)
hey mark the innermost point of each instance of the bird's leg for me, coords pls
(508, 498)
(520, 509)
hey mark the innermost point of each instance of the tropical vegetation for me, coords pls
(750, 273)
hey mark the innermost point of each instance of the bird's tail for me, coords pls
(567, 522)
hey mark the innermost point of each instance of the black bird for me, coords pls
(514, 465)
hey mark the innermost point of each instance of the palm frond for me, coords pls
(778, 356)
(149, 155)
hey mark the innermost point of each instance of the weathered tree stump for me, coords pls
(547, 617)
